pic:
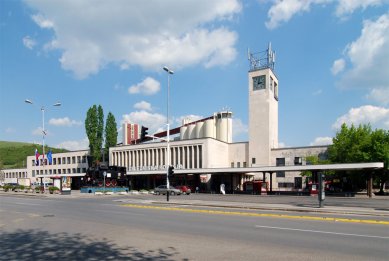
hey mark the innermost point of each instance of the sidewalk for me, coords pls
(226, 203)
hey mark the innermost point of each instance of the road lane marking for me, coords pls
(321, 232)
(249, 214)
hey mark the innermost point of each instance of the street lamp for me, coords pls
(169, 72)
(43, 123)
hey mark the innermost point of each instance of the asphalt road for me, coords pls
(37, 228)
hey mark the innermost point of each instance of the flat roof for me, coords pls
(342, 166)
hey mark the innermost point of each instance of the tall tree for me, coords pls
(94, 127)
(380, 152)
(361, 144)
(111, 132)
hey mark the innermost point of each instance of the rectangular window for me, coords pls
(78, 159)
(244, 164)
(275, 91)
(298, 182)
(33, 173)
(73, 160)
(232, 164)
(238, 164)
(59, 161)
(200, 157)
(68, 160)
(298, 161)
(59, 171)
(55, 171)
(280, 162)
(271, 83)
(253, 161)
(55, 161)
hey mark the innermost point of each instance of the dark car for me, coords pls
(184, 189)
(163, 190)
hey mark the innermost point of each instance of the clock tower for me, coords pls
(263, 107)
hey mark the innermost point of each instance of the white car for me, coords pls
(163, 190)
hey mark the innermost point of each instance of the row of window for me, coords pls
(58, 171)
(238, 165)
(63, 160)
(9, 175)
(187, 156)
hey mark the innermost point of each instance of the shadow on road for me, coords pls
(41, 245)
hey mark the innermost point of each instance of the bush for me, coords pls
(7, 187)
(52, 189)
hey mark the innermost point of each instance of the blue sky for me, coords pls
(332, 62)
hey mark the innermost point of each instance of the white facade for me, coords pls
(263, 115)
(8, 176)
(66, 164)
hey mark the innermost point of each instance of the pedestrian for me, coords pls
(197, 190)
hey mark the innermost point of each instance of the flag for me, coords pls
(50, 156)
(36, 157)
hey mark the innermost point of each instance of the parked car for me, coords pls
(163, 190)
(184, 189)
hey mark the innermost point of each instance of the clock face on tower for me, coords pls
(259, 82)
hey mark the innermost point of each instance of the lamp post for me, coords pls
(43, 128)
(169, 72)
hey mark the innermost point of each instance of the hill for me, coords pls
(14, 154)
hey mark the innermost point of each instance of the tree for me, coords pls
(94, 127)
(111, 132)
(353, 145)
(380, 153)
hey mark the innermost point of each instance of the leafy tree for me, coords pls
(94, 127)
(111, 132)
(380, 153)
(361, 144)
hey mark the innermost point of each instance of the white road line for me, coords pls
(28, 204)
(321, 232)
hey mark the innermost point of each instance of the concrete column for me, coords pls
(370, 186)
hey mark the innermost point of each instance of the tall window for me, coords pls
(280, 162)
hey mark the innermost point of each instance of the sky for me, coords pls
(332, 63)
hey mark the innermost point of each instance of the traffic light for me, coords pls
(143, 133)
(171, 170)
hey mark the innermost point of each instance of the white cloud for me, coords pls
(154, 121)
(42, 22)
(369, 58)
(29, 42)
(281, 145)
(338, 66)
(346, 7)
(148, 86)
(38, 132)
(74, 144)
(321, 141)
(239, 129)
(143, 106)
(64, 122)
(9, 130)
(380, 95)
(283, 11)
(148, 34)
(378, 117)
(188, 118)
